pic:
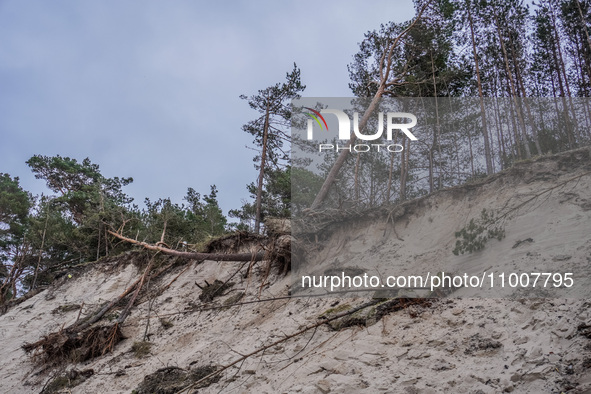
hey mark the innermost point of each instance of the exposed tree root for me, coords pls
(81, 341)
(231, 242)
(67, 345)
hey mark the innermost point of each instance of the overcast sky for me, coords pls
(149, 89)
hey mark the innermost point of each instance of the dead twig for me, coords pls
(264, 348)
(505, 214)
(127, 309)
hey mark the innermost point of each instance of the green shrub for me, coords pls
(476, 234)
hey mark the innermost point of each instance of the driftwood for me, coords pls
(194, 255)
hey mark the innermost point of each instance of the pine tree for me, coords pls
(271, 128)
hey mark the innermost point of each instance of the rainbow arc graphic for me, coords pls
(317, 115)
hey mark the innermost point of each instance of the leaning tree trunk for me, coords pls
(385, 69)
(194, 255)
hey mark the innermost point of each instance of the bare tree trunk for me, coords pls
(471, 153)
(584, 23)
(391, 172)
(562, 69)
(257, 223)
(431, 185)
(372, 185)
(456, 145)
(500, 135)
(583, 81)
(513, 91)
(404, 161)
(40, 251)
(557, 65)
(98, 244)
(437, 134)
(521, 87)
(356, 180)
(487, 152)
(515, 128)
(332, 174)
(389, 190)
(106, 242)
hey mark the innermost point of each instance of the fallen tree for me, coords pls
(194, 255)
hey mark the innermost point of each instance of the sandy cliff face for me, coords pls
(542, 207)
(177, 334)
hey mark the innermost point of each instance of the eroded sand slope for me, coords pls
(450, 345)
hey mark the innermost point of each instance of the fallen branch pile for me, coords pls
(84, 340)
(81, 340)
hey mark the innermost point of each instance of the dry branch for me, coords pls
(127, 309)
(401, 303)
(515, 208)
(87, 323)
(261, 349)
